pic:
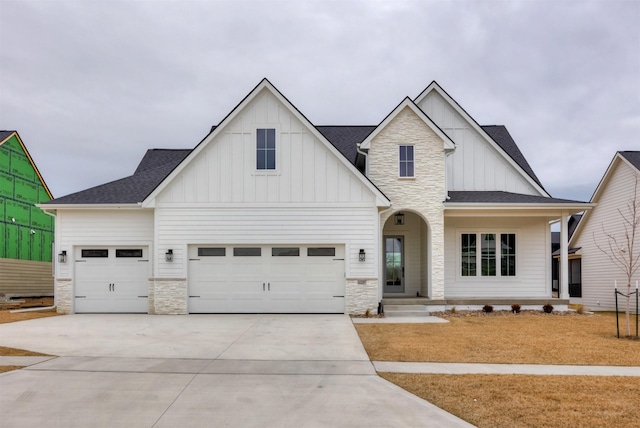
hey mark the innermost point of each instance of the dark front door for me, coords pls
(575, 277)
(394, 264)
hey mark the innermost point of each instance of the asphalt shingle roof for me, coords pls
(501, 136)
(155, 166)
(498, 197)
(346, 138)
(633, 157)
(5, 134)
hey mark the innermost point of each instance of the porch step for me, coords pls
(405, 311)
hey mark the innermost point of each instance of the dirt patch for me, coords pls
(504, 338)
(529, 401)
(26, 303)
(4, 369)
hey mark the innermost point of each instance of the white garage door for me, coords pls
(111, 279)
(266, 279)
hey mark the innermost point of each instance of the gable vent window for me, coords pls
(406, 161)
(266, 149)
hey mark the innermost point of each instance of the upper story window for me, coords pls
(266, 148)
(406, 161)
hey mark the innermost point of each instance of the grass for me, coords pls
(529, 401)
(514, 338)
(525, 338)
(7, 316)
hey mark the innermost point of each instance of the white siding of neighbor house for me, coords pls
(352, 226)
(106, 227)
(533, 257)
(475, 165)
(306, 170)
(598, 272)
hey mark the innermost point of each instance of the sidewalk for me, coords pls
(523, 369)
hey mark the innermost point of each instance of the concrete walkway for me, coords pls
(202, 370)
(524, 369)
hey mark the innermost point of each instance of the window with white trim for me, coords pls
(266, 148)
(497, 255)
(406, 161)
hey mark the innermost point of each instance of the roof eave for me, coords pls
(52, 207)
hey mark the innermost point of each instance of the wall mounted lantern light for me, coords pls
(168, 256)
(399, 219)
(361, 255)
(62, 257)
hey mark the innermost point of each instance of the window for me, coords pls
(321, 252)
(137, 253)
(285, 252)
(247, 252)
(468, 254)
(211, 252)
(94, 253)
(508, 254)
(494, 260)
(406, 161)
(266, 148)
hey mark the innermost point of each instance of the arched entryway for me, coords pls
(405, 256)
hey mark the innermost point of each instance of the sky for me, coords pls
(91, 85)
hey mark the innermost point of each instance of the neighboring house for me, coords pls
(269, 213)
(597, 272)
(26, 232)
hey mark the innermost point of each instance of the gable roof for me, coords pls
(346, 138)
(264, 84)
(4, 137)
(631, 158)
(154, 158)
(508, 153)
(407, 103)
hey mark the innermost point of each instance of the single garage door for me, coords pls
(266, 279)
(111, 279)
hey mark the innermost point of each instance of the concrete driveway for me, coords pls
(202, 370)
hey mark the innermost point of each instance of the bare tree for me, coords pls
(620, 247)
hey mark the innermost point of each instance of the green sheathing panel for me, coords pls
(26, 232)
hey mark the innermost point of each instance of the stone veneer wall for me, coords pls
(423, 194)
(361, 294)
(169, 296)
(64, 295)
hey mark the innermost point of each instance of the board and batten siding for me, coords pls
(353, 226)
(598, 271)
(93, 228)
(533, 259)
(306, 170)
(474, 165)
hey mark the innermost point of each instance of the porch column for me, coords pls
(564, 258)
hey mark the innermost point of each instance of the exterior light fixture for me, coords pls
(62, 257)
(168, 256)
(361, 255)
(399, 219)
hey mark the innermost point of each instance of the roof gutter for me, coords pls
(46, 207)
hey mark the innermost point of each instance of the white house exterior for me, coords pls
(270, 213)
(598, 273)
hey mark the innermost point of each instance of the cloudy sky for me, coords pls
(91, 85)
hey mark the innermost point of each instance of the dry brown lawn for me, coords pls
(519, 339)
(529, 401)
(525, 338)
(7, 316)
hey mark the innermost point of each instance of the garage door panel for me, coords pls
(282, 279)
(105, 283)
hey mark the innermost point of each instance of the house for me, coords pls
(269, 213)
(26, 232)
(589, 265)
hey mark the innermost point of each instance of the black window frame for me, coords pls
(213, 251)
(331, 251)
(131, 253)
(94, 253)
(249, 251)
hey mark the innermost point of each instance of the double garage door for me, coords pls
(266, 279)
(111, 279)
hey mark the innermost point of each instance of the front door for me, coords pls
(394, 264)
